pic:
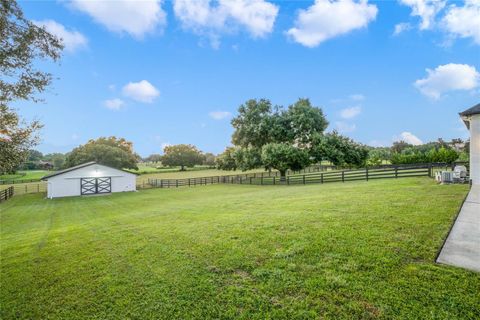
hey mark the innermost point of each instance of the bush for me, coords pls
(411, 155)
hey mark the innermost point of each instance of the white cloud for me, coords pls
(133, 17)
(114, 104)
(344, 127)
(410, 138)
(448, 77)
(71, 39)
(425, 9)
(203, 18)
(401, 27)
(142, 91)
(219, 115)
(351, 112)
(327, 19)
(463, 22)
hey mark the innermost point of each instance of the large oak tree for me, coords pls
(182, 155)
(112, 151)
(22, 43)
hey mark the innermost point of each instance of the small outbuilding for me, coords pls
(89, 179)
(471, 117)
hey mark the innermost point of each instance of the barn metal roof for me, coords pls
(86, 164)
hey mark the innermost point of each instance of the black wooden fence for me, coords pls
(417, 170)
(17, 181)
(6, 194)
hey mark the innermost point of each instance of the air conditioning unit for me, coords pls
(447, 176)
(460, 173)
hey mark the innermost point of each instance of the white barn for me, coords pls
(88, 179)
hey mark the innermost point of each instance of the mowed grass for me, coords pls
(336, 251)
(192, 174)
(29, 175)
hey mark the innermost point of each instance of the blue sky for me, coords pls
(173, 72)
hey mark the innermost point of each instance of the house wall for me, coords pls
(475, 149)
(68, 184)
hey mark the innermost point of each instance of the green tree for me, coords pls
(376, 156)
(183, 155)
(111, 151)
(226, 160)
(209, 159)
(339, 150)
(399, 146)
(16, 139)
(283, 156)
(248, 158)
(305, 121)
(258, 124)
(443, 154)
(252, 125)
(22, 45)
(57, 159)
(34, 155)
(155, 158)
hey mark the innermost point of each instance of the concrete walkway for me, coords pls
(462, 247)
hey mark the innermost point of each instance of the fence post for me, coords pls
(396, 171)
(430, 170)
(366, 173)
(261, 180)
(321, 178)
(343, 176)
(288, 180)
(274, 180)
(303, 179)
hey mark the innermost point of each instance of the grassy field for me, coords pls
(191, 174)
(338, 251)
(152, 168)
(29, 174)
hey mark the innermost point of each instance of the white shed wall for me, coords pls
(68, 184)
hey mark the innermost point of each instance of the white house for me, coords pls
(88, 179)
(471, 117)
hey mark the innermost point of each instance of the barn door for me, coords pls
(104, 185)
(95, 185)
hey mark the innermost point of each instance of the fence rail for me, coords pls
(417, 170)
(6, 194)
(17, 181)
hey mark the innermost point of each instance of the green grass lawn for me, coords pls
(337, 251)
(191, 174)
(29, 174)
(152, 168)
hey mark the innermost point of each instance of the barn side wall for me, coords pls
(68, 184)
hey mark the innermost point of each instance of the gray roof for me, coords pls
(86, 164)
(473, 110)
(469, 112)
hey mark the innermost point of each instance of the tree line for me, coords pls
(402, 152)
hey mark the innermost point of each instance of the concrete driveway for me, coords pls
(462, 247)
